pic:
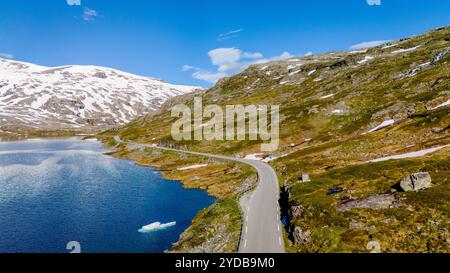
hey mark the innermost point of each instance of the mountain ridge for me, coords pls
(76, 97)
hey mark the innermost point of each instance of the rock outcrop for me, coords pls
(376, 202)
(301, 236)
(416, 182)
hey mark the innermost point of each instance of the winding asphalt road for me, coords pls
(262, 229)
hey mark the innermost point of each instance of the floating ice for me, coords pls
(156, 226)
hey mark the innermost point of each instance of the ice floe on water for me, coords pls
(156, 226)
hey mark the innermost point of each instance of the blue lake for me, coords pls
(53, 191)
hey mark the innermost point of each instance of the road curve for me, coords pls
(262, 229)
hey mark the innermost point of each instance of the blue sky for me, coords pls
(197, 41)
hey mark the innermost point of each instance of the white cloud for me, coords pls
(209, 76)
(186, 68)
(200, 74)
(230, 61)
(73, 2)
(309, 53)
(251, 55)
(285, 55)
(369, 44)
(223, 57)
(230, 34)
(6, 55)
(89, 14)
(374, 2)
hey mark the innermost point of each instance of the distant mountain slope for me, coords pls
(76, 97)
(330, 97)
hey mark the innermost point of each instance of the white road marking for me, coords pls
(246, 229)
(245, 243)
(279, 240)
(278, 226)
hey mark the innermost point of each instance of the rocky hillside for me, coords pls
(34, 97)
(358, 123)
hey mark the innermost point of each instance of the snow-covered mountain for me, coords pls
(76, 97)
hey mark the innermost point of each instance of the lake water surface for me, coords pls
(53, 191)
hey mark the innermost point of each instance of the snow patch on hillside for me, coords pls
(366, 59)
(193, 167)
(311, 72)
(411, 155)
(442, 105)
(295, 72)
(405, 50)
(384, 124)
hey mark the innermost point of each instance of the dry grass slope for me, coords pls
(328, 104)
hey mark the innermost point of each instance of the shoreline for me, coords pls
(174, 174)
(258, 217)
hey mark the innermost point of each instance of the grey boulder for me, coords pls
(416, 182)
